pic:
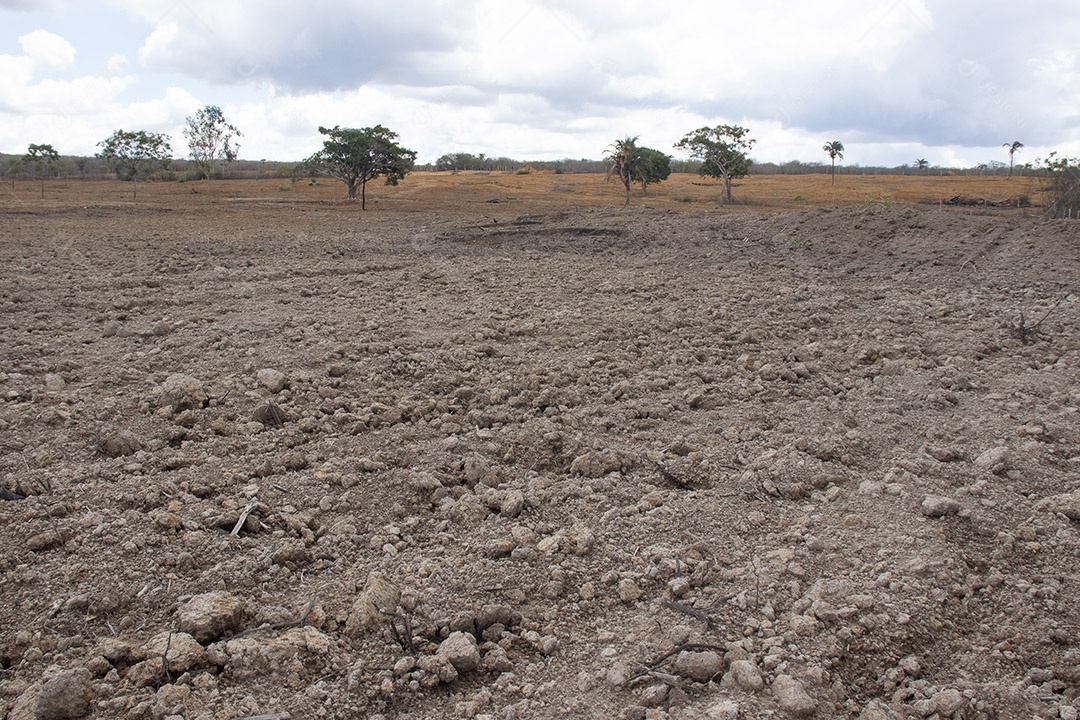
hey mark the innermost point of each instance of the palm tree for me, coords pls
(835, 150)
(626, 162)
(1013, 147)
(922, 164)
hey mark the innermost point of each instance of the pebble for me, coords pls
(206, 617)
(723, 710)
(461, 651)
(745, 675)
(939, 506)
(699, 666)
(629, 591)
(67, 695)
(792, 697)
(273, 380)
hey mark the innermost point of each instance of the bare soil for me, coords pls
(512, 454)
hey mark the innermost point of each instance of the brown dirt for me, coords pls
(812, 439)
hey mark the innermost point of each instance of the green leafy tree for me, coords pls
(42, 158)
(356, 155)
(657, 167)
(835, 150)
(133, 153)
(211, 139)
(1014, 146)
(721, 150)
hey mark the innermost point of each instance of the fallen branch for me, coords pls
(244, 516)
(278, 625)
(1027, 332)
(673, 479)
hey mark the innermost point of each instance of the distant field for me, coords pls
(500, 193)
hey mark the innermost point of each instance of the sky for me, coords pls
(950, 81)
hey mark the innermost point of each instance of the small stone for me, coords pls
(460, 649)
(1068, 712)
(380, 596)
(723, 710)
(184, 652)
(746, 675)
(121, 444)
(654, 695)
(803, 625)
(68, 695)
(629, 592)
(939, 506)
(792, 697)
(996, 460)
(949, 702)
(207, 617)
(183, 392)
(273, 380)
(877, 710)
(54, 383)
(699, 666)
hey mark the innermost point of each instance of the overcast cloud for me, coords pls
(546, 79)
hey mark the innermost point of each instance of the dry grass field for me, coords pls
(547, 191)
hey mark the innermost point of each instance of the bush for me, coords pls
(1063, 186)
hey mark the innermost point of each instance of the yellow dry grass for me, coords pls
(494, 193)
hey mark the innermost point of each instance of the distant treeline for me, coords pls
(12, 168)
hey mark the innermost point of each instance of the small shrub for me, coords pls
(285, 187)
(524, 171)
(799, 197)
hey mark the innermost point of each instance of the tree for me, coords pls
(1013, 147)
(626, 162)
(42, 157)
(721, 150)
(657, 167)
(922, 164)
(210, 138)
(133, 153)
(632, 163)
(835, 150)
(356, 155)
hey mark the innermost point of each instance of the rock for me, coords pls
(54, 383)
(723, 710)
(745, 675)
(379, 596)
(877, 710)
(1067, 504)
(629, 592)
(120, 444)
(207, 617)
(596, 463)
(1068, 712)
(948, 703)
(67, 695)
(699, 666)
(299, 649)
(468, 510)
(792, 697)
(184, 652)
(996, 460)
(939, 506)
(273, 380)
(496, 614)
(803, 625)
(460, 649)
(183, 392)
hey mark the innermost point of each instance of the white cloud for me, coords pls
(48, 50)
(563, 78)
